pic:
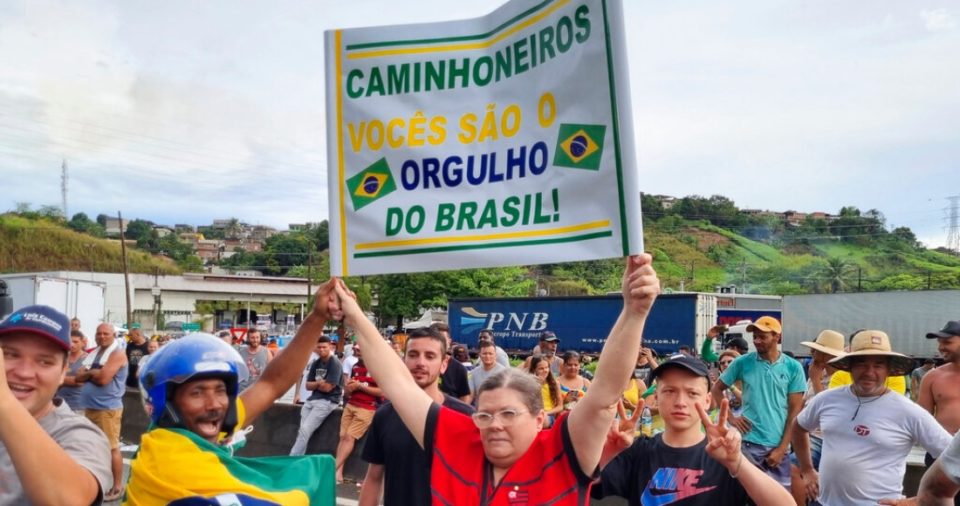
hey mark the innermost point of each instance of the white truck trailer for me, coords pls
(905, 316)
(75, 298)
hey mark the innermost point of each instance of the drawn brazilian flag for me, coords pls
(371, 184)
(579, 146)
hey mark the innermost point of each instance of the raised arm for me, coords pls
(591, 418)
(393, 377)
(706, 349)
(282, 372)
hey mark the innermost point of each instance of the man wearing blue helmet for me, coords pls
(190, 390)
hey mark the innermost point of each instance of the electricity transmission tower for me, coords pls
(953, 230)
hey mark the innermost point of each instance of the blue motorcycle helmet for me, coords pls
(192, 357)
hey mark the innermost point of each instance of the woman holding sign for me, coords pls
(500, 455)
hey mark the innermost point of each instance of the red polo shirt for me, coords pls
(548, 473)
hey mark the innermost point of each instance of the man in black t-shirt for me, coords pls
(136, 350)
(398, 465)
(323, 383)
(454, 380)
(684, 466)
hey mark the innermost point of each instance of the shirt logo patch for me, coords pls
(672, 485)
(517, 497)
(862, 430)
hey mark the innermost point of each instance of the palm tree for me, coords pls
(233, 229)
(836, 272)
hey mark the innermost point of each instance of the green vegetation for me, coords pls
(41, 244)
(698, 244)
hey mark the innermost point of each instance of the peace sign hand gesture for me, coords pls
(622, 429)
(723, 442)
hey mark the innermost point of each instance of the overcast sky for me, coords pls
(180, 111)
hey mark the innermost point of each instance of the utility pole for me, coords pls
(63, 188)
(126, 273)
(309, 273)
(953, 230)
(743, 275)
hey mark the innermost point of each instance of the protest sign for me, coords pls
(501, 140)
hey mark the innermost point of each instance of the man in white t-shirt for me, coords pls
(868, 430)
(941, 482)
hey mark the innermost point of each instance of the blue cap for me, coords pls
(43, 321)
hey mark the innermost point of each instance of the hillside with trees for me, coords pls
(698, 243)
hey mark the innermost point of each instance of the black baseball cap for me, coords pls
(952, 328)
(39, 320)
(739, 343)
(549, 336)
(685, 362)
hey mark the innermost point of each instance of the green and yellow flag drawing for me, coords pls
(579, 146)
(371, 184)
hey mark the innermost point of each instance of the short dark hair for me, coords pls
(427, 333)
(567, 355)
(77, 333)
(486, 344)
(324, 339)
(485, 332)
(440, 326)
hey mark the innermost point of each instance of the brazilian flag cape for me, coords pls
(175, 467)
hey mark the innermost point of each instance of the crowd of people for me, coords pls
(730, 426)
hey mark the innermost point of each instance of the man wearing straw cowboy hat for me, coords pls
(827, 346)
(867, 430)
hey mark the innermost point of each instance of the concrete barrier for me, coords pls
(274, 433)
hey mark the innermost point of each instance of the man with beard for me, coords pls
(868, 430)
(256, 357)
(548, 348)
(773, 386)
(199, 417)
(398, 465)
(940, 389)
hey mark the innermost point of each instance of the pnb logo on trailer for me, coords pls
(472, 321)
(371, 184)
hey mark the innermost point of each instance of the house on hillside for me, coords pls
(112, 227)
(794, 218)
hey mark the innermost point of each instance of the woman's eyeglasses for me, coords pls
(507, 418)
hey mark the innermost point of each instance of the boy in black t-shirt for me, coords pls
(684, 466)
